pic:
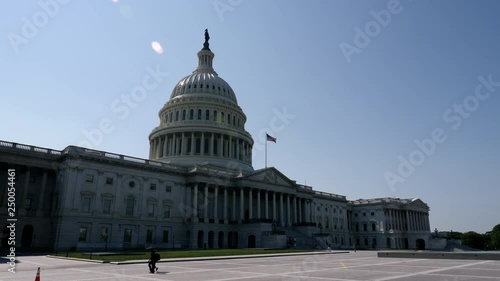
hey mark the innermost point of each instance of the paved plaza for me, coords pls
(346, 266)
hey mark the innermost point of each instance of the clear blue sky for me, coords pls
(354, 115)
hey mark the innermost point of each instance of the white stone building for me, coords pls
(198, 189)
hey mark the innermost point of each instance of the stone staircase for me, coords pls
(302, 241)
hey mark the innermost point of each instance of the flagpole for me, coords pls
(266, 150)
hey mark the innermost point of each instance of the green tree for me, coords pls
(495, 238)
(474, 240)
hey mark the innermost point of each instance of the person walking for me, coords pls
(155, 257)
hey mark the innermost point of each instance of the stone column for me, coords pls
(242, 204)
(250, 207)
(202, 144)
(230, 147)
(216, 195)
(407, 221)
(266, 201)
(27, 176)
(225, 205)
(237, 149)
(212, 144)
(258, 204)
(282, 215)
(192, 143)
(165, 147)
(150, 149)
(173, 149)
(295, 209)
(301, 201)
(234, 204)
(288, 215)
(39, 209)
(274, 206)
(221, 148)
(195, 201)
(205, 203)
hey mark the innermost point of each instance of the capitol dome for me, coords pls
(201, 123)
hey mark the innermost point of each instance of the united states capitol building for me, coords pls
(197, 189)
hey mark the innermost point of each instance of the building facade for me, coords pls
(198, 189)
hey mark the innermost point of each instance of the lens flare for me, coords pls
(157, 47)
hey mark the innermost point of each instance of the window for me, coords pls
(166, 211)
(191, 114)
(171, 116)
(215, 115)
(152, 186)
(177, 116)
(199, 114)
(168, 188)
(89, 178)
(373, 214)
(206, 145)
(365, 228)
(234, 121)
(32, 179)
(129, 209)
(151, 210)
(83, 234)
(106, 206)
(364, 214)
(356, 214)
(85, 205)
(104, 234)
(28, 204)
(188, 149)
(357, 227)
(184, 114)
(229, 118)
(334, 210)
(373, 227)
(198, 145)
(127, 235)
(131, 184)
(149, 236)
(366, 241)
(207, 114)
(165, 236)
(109, 181)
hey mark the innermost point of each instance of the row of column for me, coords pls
(202, 143)
(24, 191)
(407, 220)
(291, 209)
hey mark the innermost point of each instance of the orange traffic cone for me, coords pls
(37, 278)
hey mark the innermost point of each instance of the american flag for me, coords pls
(269, 138)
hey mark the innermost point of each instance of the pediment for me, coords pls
(270, 175)
(418, 204)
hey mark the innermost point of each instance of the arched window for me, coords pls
(222, 117)
(207, 114)
(191, 114)
(184, 114)
(177, 116)
(129, 208)
(215, 115)
(199, 114)
(234, 120)
(229, 119)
